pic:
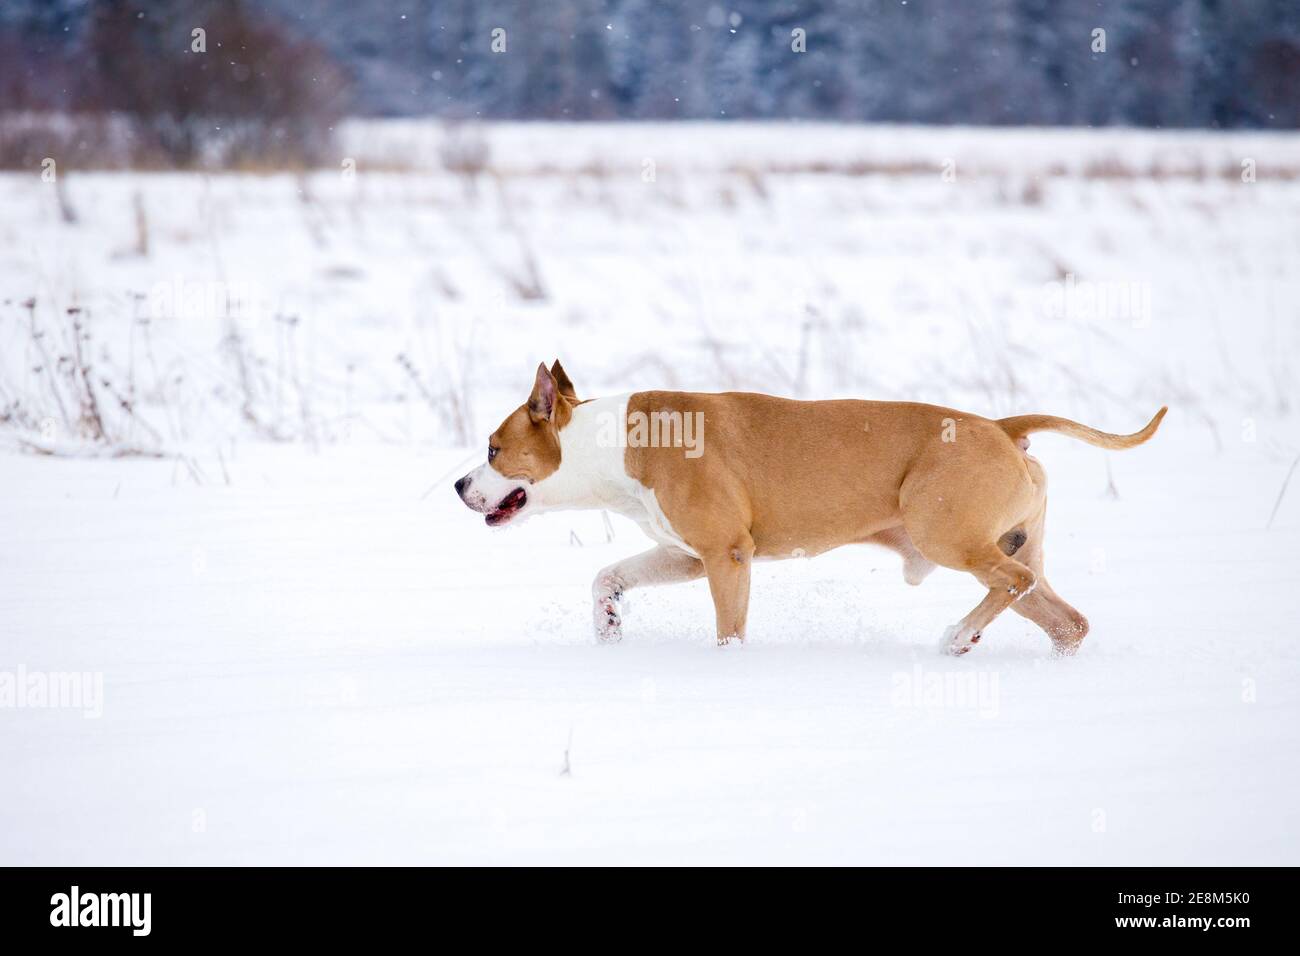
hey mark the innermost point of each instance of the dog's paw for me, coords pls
(1066, 646)
(608, 618)
(958, 640)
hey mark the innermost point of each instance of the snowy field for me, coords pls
(233, 510)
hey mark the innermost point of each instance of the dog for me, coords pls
(779, 478)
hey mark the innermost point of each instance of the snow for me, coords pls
(311, 652)
(704, 148)
(329, 667)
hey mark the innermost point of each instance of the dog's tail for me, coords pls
(1022, 425)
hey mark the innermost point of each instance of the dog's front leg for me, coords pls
(728, 571)
(656, 566)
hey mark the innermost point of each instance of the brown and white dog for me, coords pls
(777, 478)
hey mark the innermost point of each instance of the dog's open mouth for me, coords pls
(510, 506)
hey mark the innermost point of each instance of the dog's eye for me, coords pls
(492, 452)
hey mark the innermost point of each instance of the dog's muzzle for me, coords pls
(510, 506)
(505, 508)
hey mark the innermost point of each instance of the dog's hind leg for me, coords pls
(1064, 625)
(1008, 581)
(660, 565)
(962, 506)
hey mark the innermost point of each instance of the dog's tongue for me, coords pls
(509, 505)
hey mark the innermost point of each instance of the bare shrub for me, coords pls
(96, 413)
(465, 152)
(140, 95)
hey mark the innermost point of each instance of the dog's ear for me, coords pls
(541, 404)
(562, 381)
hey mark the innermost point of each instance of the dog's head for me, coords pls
(523, 451)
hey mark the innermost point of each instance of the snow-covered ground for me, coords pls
(307, 650)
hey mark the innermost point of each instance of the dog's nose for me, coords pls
(461, 486)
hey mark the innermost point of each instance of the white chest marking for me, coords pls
(592, 473)
(656, 524)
